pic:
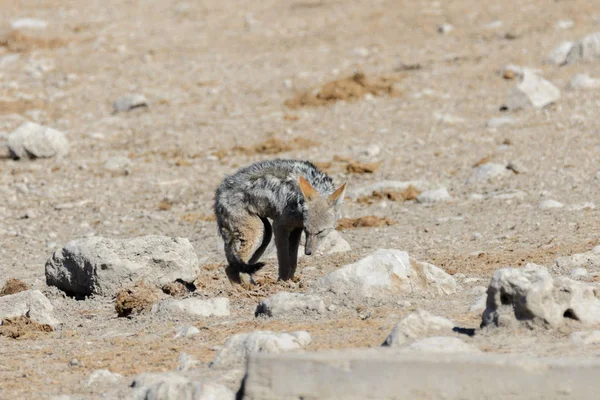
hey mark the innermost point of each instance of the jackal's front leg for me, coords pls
(294, 243)
(282, 238)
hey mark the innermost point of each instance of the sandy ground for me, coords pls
(216, 76)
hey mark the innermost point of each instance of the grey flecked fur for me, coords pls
(270, 189)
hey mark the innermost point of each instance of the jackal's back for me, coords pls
(266, 188)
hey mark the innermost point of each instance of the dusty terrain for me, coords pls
(217, 76)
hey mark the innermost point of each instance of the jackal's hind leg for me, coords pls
(266, 239)
(243, 247)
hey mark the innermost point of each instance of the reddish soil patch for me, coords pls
(410, 193)
(356, 167)
(13, 286)
(18, 42)
(135, 300)
(21, 327)
(363, 222)
(347, 89)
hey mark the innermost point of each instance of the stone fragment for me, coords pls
(558, 56)
(193, 307)
(586, 49)
(415, 325)
(31, 304)
(284, 304)
(238, 347)
(434, 196)
(384, 274)
(532, 91)
(175, 386)
(102, 377)
(31, 140)
(129, 102)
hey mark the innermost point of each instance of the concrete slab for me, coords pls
(388, 374)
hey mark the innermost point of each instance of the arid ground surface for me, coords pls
(217, 76)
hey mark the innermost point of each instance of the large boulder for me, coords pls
(284, 304)
(31, 304)
(103, 266)
(416, 325)
(31, 140)
(386, 273)
(530, 296)
(238, 347)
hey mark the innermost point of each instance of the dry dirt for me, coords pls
(217, 77)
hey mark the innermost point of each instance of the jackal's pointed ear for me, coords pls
(308, 191)
(337, 198)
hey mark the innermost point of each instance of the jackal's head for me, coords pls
(323, 213)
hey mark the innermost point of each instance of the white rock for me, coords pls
(372, 150)
(238, 347)
(441, 344)
(333, 243)
(578, 273)
(558, 56)
(434, 196)
(283, 304)
(29, 303)
(532, 91)
(193, 307)
(531, 296)
(584, 82)
(494, 24)
(383, 274)
(386, 185)
(564, 24)
(596, 250)
(582, 304)
(103, 377)
(488, 171)
(31, 140)
(117, 164)
(495, 123)
(361, 52)
(174, 386)
(584, 338)
(448, 119)
(445, 28)
(129, 102)
(186, 331)
(103, 266)
(417, 324)
(28, 23)
(549, 203)
(587, 49)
